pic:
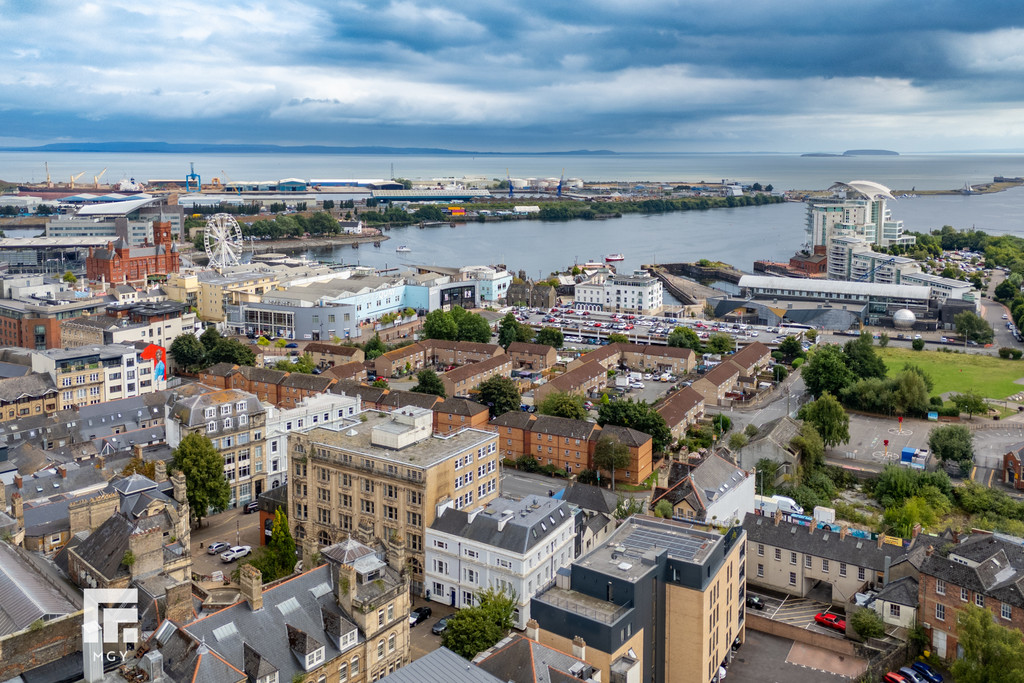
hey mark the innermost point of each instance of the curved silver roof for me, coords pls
(867, 188)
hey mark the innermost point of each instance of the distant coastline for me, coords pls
(189, 148)
(855, 153)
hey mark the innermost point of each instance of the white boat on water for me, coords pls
(404, 249)
(614, 257)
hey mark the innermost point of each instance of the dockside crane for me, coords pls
(49, 183)
(227, 181)
(192, 181)
(96, 179)
(76, 177)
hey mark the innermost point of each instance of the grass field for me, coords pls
(990, 377)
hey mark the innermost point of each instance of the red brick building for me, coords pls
(120, 263)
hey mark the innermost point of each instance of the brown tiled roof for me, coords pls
(403, 352)
(722, 374)
(473, 369)
(563, 426)
(604, 352)
(750, 354)
(345, 370)
(534, 349)
(668, 351)
(514, 418)
(300, 380)
(460, 406)
(334, 349)
(676, 406)
(467, 347)
(396, 398)
(574, 378)
(626, 435)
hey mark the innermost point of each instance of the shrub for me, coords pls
(867, 623)
(1005, 351)
(1016, 353)
(779, 372)
(918, 344)
(936, 401)
(797, 363)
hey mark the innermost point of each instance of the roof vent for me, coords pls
(351, 432)
(625, 566)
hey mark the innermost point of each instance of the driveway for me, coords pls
(765, 658)
(421, 641)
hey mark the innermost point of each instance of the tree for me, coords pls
(925, 377)
(1006, 291)
(969, 402)
(627, 507)
(720, 343)
(472, 630)
(277, 559)
(917, 344)
(790, 347)
(563, 404)
(883, 340)
(187, 351)
(952, 443)
(867, 623)
(973, 327)
(551, 336)
(779, 372)
(146, 468)
(862, 359)
(751, 430)
(440, 324)
(427, 382)
(508, 330)
(639, 416)
(684, 338)
(618, 338)
(500, 394)
(303, 364)
(206, 489)
(374, 348)
(737, 441)
(663, 509)
(827, 371)
(809, 445)
(610, 454)
(228, 350)
(209, 338)
(828, 418)
(470, 327)
(70, 278)
(992, 652)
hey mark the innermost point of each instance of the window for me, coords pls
(1005, 611)
(391, 612)
(391, 642)
(380, 648)
(979, 599)
(792, 578)
(367, 506)
(842, 569)
(227, 423)
(940, 587)
(380, 618)
(354, 667)
(861, 574)
(894, 611)
(792, 558)
(964, 595)
(778, 553)
(824, 565)
(940, 611)
(225, 409)
(807, 561)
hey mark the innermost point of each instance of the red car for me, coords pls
(831, 620)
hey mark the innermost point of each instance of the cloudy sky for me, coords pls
(627, 75)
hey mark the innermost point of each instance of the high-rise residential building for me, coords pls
(383, 479)
(660, 600)
(854, 209)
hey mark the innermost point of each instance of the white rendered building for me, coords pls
(855, 209)
(515, 545)
(323, 410)
(640, 293)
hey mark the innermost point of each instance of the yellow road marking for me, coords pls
(990, 475)
(974, 471)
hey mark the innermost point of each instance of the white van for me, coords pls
(788, 505)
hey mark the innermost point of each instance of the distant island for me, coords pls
(202, 148)
(855, 153)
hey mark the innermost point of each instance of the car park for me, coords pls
(217, 547)
(418, 616)
(893, 677)
(755, 602)
(235, 553)
(831, 620)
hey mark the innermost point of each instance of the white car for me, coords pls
(235, 553)
(637, 385)
(647, 375)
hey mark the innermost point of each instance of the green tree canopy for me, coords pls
(684, 338)
(720, 343)
(663, 509)
(206, 488)
(374, 348)
(439, 324)
(550, 336)
(826, 371)
(862, 359)
(209, 338)
(973, 327)
(427, 382)
(970, 402)
(992, 652)
(500, 394)
(229, 350)
(737, 441)
(508, 330)
(187, 351)
(277, 558)
(809, 445)
(470, 327)
(952, 443)
(563, 404)
(828, 418)
(70, 278)
(639, 416)
(867, 623)
(472, 630)
(618, 338)
(790, 347)
(610, 455)
(303, 364)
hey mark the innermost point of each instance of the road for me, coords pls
(784, 400)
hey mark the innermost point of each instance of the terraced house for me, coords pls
(462, 380)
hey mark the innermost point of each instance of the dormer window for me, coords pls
(211, 427)
(227, 423)
(315, 658)
(269, 678)
(225, 409)
(240, 407)
(211, 412)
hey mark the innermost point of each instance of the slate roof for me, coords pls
(528, 348)
(565, 427)
(592, 498)
(188, 659)
(268, 375)
(855, 551)
(531, 521)
(397, 398)
(220, 369)
(365, 392)
(190, 411)
(779, 432)
(441, 665)
(520, 660)
(995, 569)
(471, 370)
(460, 406)
(105, 547)
(516, 419)
(626, 435)
(25, 595)
(901, 591)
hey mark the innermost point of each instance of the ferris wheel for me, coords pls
(223, 240)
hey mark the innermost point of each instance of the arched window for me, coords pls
(343, 671)
(391, 643)
(354, 669)
(300, 532)
(380, 648)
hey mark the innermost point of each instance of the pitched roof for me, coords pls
(332, 349)
(464, 346)
(901, 591)
(398, 398)
(533, 349)
(34, 385)
(364, 391)
(626, 435)
(25, 595)
(514, 418)
(593, 498)
(985, 564)
(563, 426)
(220, 369)
(268, 375)
(702, 486)
(750, 354)
(104, 549)
(471, 370)
(528, 523)
(852, 550)
(345, 370)
(460, 406)
(723, 373)
(578, 376)
(441, 665)
(675, 408)
(300, 380)
(520, 660)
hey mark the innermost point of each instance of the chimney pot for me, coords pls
(579, 648)
(842, 533)
(532, 629)
(18, 480)
(881, 540)
(929, 551)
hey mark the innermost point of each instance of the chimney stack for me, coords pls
(928, 552)
(252, 586)
(62, 471)
(137, 451)
(178, 480)
(842, 533)
(3, 497)
(916, 531)
(160, 471)
(778, 516)
(811, 527)
(309, 549)
(881, 540)
(533, 629)
(579, 648)
(18, 480)
(18, 509)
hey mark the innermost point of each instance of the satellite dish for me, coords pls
(223, 240)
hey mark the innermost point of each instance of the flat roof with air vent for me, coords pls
(634, 547)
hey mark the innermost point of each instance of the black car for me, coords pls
(755, 602)
(418, 615)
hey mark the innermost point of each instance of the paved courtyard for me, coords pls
(765, 658)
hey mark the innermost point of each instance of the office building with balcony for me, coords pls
(660, 600)
(89, 375)
(384, 481)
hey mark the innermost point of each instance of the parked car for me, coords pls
(927, 672)
(235, 553)
(893, 677)
(250, 507)
(218, 547)
(911, 675)
(418, 615)
(831, 620)
(755, 602)
(440, 626)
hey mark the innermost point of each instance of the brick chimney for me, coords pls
(252, 586)
(881, 541)
(811, 527)
(579, 648)
(842, 533)
(533, 629)
(916, 531)
(18, 481)
(18, 509)
(778, 517)
(62, 471)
